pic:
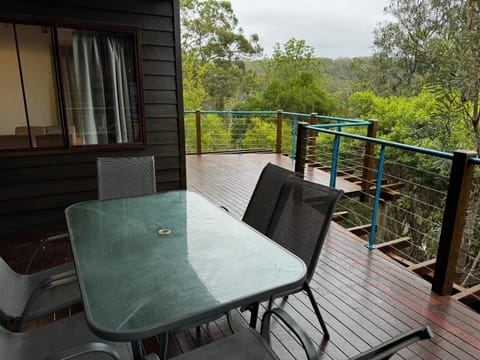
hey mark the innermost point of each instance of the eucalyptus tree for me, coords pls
(212, 32)
(212, 36)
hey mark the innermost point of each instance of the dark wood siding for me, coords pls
(36, 188)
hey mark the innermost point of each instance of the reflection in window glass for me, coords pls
(28, 91)
(99, 86)
(13, 118)
(35, 48)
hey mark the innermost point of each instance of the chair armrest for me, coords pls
(39, 245)
(307, 344)
(83, 349)
(54, 281)
(390, 347)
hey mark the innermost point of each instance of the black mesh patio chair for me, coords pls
(300, 224)
(265, 195)
(117, 177)
(251, 345)
(125, 176)
(64, 339)
(31, 296)
(262, 203)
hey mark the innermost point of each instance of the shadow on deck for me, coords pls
(365, 297)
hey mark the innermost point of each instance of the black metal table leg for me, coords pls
(254, 314)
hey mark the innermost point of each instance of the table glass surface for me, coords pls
(152, 263)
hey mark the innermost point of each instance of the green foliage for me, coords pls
(211, 31)
(193, 91)
(226, 83)
(293, 81)
(262, 134)
(411, 120)
(437, 40)
(213, 48)
(216, 134)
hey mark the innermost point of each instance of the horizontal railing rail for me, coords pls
(378, 141)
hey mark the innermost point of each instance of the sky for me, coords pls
(335, 28)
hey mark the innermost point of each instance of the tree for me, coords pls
(437, 40)
(211, 31)
(214, 48)
(294, 80)
(193, 91)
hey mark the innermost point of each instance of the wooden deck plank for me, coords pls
(365, 297)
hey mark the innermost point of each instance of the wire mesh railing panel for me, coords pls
(468, 263)
(253, 132)
(238, 131)
(413, 204)
(190, 133)
(407, 217)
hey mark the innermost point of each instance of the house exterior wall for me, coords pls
(35, 188)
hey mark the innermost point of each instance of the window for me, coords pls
(66, 87)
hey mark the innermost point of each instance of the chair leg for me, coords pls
(137, 349)
(254, 314)
(317, 310)
(162, 345)
(270, 303)
(230, 322)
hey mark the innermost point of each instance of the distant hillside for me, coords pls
(340, 72)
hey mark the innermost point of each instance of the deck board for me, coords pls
(365, 297)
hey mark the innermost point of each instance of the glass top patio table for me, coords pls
(150, 264)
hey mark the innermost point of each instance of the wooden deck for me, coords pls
(365, 297)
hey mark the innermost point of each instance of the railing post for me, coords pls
(453, 221)
(376, 201)
(294, 135)
(279, 131)
(198, 124)
(368, 158)
(335, 158)
(313, 141)
(301, 148)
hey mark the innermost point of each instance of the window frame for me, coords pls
(68, 146)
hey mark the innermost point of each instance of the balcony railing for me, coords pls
(418, 211)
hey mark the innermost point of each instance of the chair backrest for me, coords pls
(302, 217)
(13, 287)
(49, 140)
(34, 130)
(264, 198)
(14, 142)
(59, 130)
(125, 176)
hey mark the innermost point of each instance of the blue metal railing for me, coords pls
(381, 163)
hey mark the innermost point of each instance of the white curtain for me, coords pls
(119, 85)
(99, 94)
